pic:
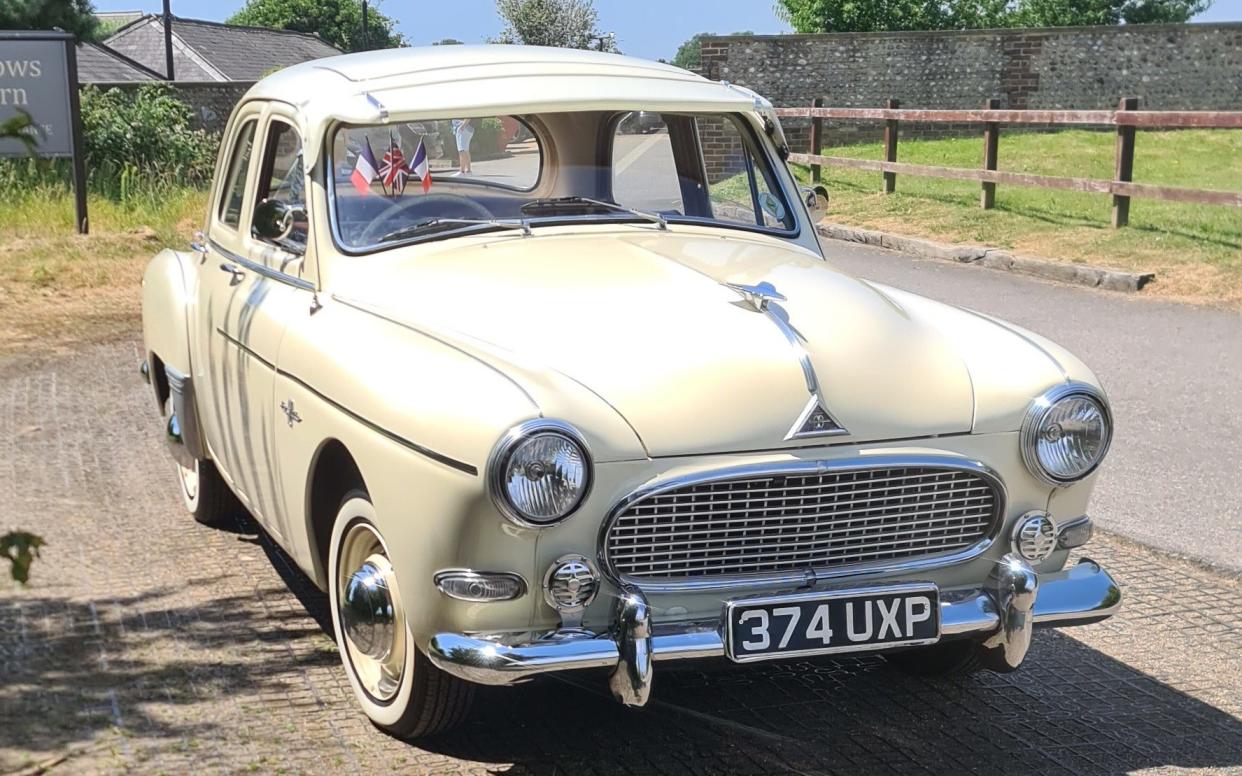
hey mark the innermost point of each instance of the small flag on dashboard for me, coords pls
(364, 169)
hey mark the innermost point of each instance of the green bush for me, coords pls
(137, 143)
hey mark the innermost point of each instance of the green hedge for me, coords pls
(136, 143)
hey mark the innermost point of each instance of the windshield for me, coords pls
(401, 182)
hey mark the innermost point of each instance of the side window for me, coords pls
(737, 183)
(644, 172)
(235, 181)
(282, 180)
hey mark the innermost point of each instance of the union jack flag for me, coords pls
(393, 170)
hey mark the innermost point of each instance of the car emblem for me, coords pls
(814, 420)
(291, 414)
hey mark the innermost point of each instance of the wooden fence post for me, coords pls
(1125, 163)
(991, 138)
(817, 137)
(890, 148)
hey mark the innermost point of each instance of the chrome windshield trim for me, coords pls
(262, 269)
(808, 575)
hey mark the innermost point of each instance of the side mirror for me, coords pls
(816, 200)
(274, 220)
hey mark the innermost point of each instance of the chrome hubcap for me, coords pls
(366, 611)
(371, 616)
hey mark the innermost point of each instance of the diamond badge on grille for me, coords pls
(815, 421)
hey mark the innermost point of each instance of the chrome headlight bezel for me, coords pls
(498, 464)
(1032, 427)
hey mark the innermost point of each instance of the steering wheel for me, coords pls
(426, 206)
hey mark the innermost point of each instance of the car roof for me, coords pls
(459, 81)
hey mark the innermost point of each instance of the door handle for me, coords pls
(232, 270)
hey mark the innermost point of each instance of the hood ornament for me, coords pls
(758, 296)
(814, 420)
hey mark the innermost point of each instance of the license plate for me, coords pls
(835, 621)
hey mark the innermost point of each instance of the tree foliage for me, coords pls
(20, 549)
(76, 16)
(884, 15)
(561, 23)
(338, 22)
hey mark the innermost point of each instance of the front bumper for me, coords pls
(1001, 614)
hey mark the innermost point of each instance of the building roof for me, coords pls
(100, 64)
(210, 51)
(464, 81)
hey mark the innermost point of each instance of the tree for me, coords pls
(883, 15)
(76, 16)
(561, 23)
(338, 22)
(448, 42)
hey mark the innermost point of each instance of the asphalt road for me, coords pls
(1173, 373)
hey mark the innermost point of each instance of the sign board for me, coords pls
(34, 77)
(39, 75)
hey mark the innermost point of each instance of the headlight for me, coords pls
(1066, 433)
(540, 473)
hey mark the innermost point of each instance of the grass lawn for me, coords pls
(61, 287)
(1195, 250)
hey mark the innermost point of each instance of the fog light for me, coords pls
(570, 584)
(480, 587)
(1035, 536)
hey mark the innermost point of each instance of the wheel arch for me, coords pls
(333, 473)
(166, 300)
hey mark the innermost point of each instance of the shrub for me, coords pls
(136, 143)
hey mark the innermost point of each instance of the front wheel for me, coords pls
(396, 685)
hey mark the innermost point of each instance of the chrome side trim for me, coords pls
(263, 269)
(800, 577)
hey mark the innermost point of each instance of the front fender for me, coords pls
(168, 292)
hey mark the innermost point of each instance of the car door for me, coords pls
(260, 285)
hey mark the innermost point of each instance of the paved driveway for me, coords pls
(151, 644)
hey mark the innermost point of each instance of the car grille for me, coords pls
(782, 522)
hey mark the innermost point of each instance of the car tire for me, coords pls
(205, 494)
(402, 693)
(948, 659)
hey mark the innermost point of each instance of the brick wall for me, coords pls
(1169, 67)
(212, 101)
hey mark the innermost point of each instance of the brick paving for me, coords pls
(148, 643)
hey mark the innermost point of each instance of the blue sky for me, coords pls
(645, 28)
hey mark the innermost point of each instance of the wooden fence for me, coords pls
(1127, 119)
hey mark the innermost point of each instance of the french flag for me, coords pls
(418, 166)
(364, 169)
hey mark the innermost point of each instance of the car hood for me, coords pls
(646, 320)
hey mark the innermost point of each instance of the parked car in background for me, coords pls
(604, 403)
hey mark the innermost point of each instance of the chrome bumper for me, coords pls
(1004, 610)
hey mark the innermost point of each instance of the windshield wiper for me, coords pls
(555, 203)
(428, 223)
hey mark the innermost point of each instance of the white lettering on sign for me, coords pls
(22, 68)
(888, 618)
(13, 96)
(850, 621)
(924, 611)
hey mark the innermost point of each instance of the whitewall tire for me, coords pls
(398, 687)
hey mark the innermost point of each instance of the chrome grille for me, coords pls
(819, 518)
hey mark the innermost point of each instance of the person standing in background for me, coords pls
(463, 131)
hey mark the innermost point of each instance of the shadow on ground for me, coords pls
(73, 674)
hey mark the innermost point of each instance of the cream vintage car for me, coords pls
(568, 390)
